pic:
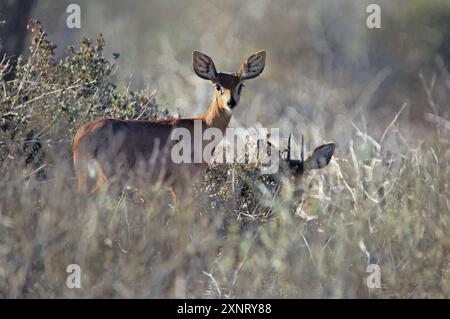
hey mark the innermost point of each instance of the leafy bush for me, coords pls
(49, 99)
(383, 201)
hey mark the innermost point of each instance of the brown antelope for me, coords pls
(291, 170)
(138, 149)
(294, 169)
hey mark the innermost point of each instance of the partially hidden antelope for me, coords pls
(296, 168)
(123, 150)
(292, 170)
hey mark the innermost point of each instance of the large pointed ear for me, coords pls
(321, 156)
(204, 66)
(253, 65)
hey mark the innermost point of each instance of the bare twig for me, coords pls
(49, 93)
(309, 249)
(429, 93)
(366, 137)
(210, 276)
(440, 121)
(383, 136)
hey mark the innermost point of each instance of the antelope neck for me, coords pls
(217, 116)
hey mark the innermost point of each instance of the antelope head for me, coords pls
(228, 86)
(319, 158)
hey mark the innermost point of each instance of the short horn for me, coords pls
(288, 158)
(302, 154)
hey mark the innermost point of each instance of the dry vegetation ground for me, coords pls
(382, 200)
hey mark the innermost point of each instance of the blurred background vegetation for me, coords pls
(321, 55)
(381, 94)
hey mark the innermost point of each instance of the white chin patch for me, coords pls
(229, 110)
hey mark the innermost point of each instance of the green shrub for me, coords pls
(374, 203)
(49, 98)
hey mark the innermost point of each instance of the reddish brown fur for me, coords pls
(138, 139)
(124, 149)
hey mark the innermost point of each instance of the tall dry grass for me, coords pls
(384, 199)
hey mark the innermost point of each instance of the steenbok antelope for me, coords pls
(319, 158)
(292, 170)
(246, 184)
(140, 150)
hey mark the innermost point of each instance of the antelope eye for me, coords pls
(241, 86)
(219, 88)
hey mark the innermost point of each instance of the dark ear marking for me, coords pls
(253, 65)
(204, 66)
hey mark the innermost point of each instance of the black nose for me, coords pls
(231, 103)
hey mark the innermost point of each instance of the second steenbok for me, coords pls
(120, 150)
